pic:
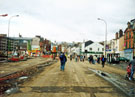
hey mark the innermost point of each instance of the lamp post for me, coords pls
(105, 34)
(9, 22)
(9, 30)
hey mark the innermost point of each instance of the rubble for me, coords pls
(9, 82)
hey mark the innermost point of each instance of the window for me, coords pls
(90, 49)
(129, 34)
(126, 44)
(98, 49)
(129, 44)
(126, 35)
(134, 38)
(102, 49)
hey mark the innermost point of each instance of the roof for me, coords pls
(133, 20)
(87, 43)
(21, 38)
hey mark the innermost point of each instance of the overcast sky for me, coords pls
(66, 20)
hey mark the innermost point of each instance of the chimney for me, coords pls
(116, 35)
(120, 33)
(129, 24)
(20, 35)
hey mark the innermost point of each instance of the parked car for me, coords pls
(13, 59)
(123, 59)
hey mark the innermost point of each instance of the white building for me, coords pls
(93, 49)
(75, 50)
(35, 43)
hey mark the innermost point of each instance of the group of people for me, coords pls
(94, 59)
(77, 58)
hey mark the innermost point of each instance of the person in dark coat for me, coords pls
(98, 60)
(63, 60)
(132, 68)
(103, 61)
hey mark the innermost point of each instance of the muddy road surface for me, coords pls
(76, 81)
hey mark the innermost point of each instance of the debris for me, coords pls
(23, 78)
(12, 90)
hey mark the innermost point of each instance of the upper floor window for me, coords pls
(102, 49)
(90, 49)
(126, 35)
(129, 44)
(129, 34)
(98, 49)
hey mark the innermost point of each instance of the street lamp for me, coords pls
(9, 22)
(105, 34)
(8, 31)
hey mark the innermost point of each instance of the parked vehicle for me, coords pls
(22, 58)
(123, 59)
(13, 59)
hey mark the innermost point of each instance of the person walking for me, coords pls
(70, 57)
(132, 68)
(94, 59)
(76, 58)
(63, 60)
(98, 60)
(103, 61)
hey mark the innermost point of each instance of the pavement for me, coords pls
(78, 80)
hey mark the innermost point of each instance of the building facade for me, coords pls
(94, 48)
(129, 40)
(3, 44)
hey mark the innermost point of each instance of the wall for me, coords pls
(95, 50)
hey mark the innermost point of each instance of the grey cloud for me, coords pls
(73, 17)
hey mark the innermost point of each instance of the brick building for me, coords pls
(129, 40)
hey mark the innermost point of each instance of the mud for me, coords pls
(10, 85)
(123, 85)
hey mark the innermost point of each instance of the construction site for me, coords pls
(41, 77)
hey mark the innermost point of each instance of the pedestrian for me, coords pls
(94, 59)
(89, 58)
(98, 60)
(128, 71)
(63, 60)
(83, 58)
(103, 61)
(76, 58)
(132, 68)
(70, 57)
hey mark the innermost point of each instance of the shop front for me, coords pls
(128, 53)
